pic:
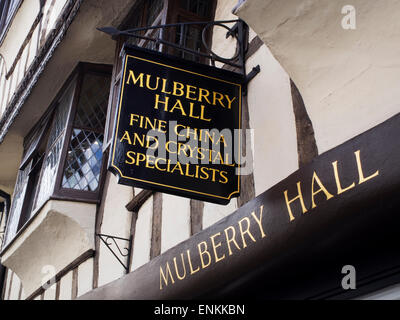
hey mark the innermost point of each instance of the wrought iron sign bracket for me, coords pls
(239, 31)
(111, 243)
(256, 70)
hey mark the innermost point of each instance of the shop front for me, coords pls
(199, 149)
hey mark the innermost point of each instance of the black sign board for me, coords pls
(176, 127)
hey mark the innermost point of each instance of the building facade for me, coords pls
(328, 75)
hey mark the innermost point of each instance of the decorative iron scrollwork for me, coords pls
(111, 242)
(237, 31)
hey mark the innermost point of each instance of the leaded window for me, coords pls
(17, 202)
(84, 156)
(54, 146)
(63, 157)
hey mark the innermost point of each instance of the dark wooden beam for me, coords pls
(155, 248)
(247, 189)
(306, 145)
(196, 216)
(75, 283)
(137, 201)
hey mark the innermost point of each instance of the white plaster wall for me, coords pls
(50, 293)
(34, 45)
(142, 239)
(85, 277)
(23, 295)
(116, 222)
(272, 119)
(66, 287)
(270, 108)
(7, 284)
(19, 29)
(15, 287)
(61, 232)
(137, 190)
(223, 47)
(175, 221)
(349, 79)
(22, 64)
(215, 212)
(17, 33)
(53, 13)
(15, 37)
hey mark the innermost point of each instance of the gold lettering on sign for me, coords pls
(165, 278)
(190, 263)
(244, 231)
(135, 79)
(231, 239)
(215, 246)
(316, 180)
(219, 241)
(148, 77)
(298, 197)
(338, 184)
(225, 243)
(202, 252)
(176, 268)
(259, 220)
(158, 101)
(361, 176)
(322, 188)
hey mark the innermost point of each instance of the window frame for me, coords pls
(34, 174)
(170, 12)
(30, 208)
(175, 14)
(60, 193)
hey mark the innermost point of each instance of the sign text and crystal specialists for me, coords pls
(177, 127)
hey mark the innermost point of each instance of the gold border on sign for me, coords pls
(165, 185)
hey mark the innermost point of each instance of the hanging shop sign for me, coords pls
(177, 127)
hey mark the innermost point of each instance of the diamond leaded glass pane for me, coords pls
(82, 171)
(83, 163)
(61, 115)
(93, 100)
